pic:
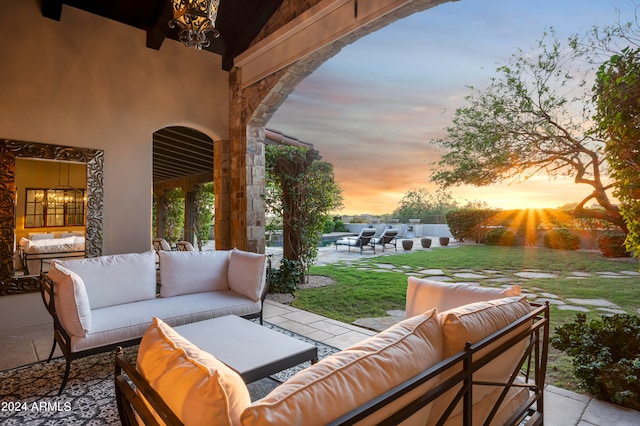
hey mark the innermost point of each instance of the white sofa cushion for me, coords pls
(424, 294)
(197, 387)
(129, 321)
(472, 323)
(71, 301)
(344, 381)
(116, 279)
(185, 272)
(247, 273)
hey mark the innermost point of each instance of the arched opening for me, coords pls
(182, 164)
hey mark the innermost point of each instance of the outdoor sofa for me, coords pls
(480, 363)
(103, 302)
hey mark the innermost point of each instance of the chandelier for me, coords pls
(195, 18)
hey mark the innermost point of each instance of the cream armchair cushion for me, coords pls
(198, 388)
(472, 323)
(424, 294)
(344, 381)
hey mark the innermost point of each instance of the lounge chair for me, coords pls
(387, 237)
(361, 241)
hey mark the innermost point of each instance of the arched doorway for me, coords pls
(182, 159)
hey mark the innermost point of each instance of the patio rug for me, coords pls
(28, 394)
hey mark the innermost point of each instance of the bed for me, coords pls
(38, 248)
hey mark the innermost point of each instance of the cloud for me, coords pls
(371, 109)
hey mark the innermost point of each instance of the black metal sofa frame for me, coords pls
(532, 367)
(62, 338)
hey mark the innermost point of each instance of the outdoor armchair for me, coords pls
(362, 241)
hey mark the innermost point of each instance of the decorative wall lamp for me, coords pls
(195, 18)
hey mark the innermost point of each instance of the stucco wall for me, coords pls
(89, 82)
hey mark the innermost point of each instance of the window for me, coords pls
(54, 207)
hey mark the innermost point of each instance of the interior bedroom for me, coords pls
(50, 213)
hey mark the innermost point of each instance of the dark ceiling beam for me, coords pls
(52, 9)
(157, 33)
(260, 17)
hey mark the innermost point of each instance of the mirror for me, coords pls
(10, 150)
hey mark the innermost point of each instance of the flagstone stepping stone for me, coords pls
(535, 275)
(632, 273)
(384, 265)
(490, 271)
(607, 274)
(469, 275)
(440, 278)
(612, 311)
(381, 270)
(500, 280)
(531, 296)
(432, 272)
(594, 302)
(550, 295)
(551, 301)
(581, 274)
(573, 308)
(406, 267)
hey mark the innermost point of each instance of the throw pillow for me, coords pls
(197, 387)
(186, 272)
(247, 273)
(344, 381)
(423, 294)
(71, 301)
(116, 279)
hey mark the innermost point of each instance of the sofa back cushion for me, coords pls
(186, 272)
(71, 301)
(424, 294)
(247, 273)
(346, 380)
(116, 279)
(198, 388)
(472, 323)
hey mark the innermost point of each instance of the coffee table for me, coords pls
(252, 350)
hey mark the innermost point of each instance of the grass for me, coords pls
(369, 287)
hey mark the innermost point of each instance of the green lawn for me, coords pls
(369, 287)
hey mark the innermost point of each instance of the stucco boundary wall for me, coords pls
(419, 230)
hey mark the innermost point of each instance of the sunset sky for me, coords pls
(372, 109)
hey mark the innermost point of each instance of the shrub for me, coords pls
(287, 278)
(606, 355)
(500, 237)
(339, 226)
(467, 223)
(561, 239)
(611, 244)
(329, 226)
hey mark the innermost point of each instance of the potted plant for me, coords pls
(426, 242)
(407, 244)
(444, 241)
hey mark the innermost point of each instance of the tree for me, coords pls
(533, 118)
(617, 97)
(173, 200)
(303, 191)
(419, 202)
(204, 207)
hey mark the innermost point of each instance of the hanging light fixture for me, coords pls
(195, 18)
